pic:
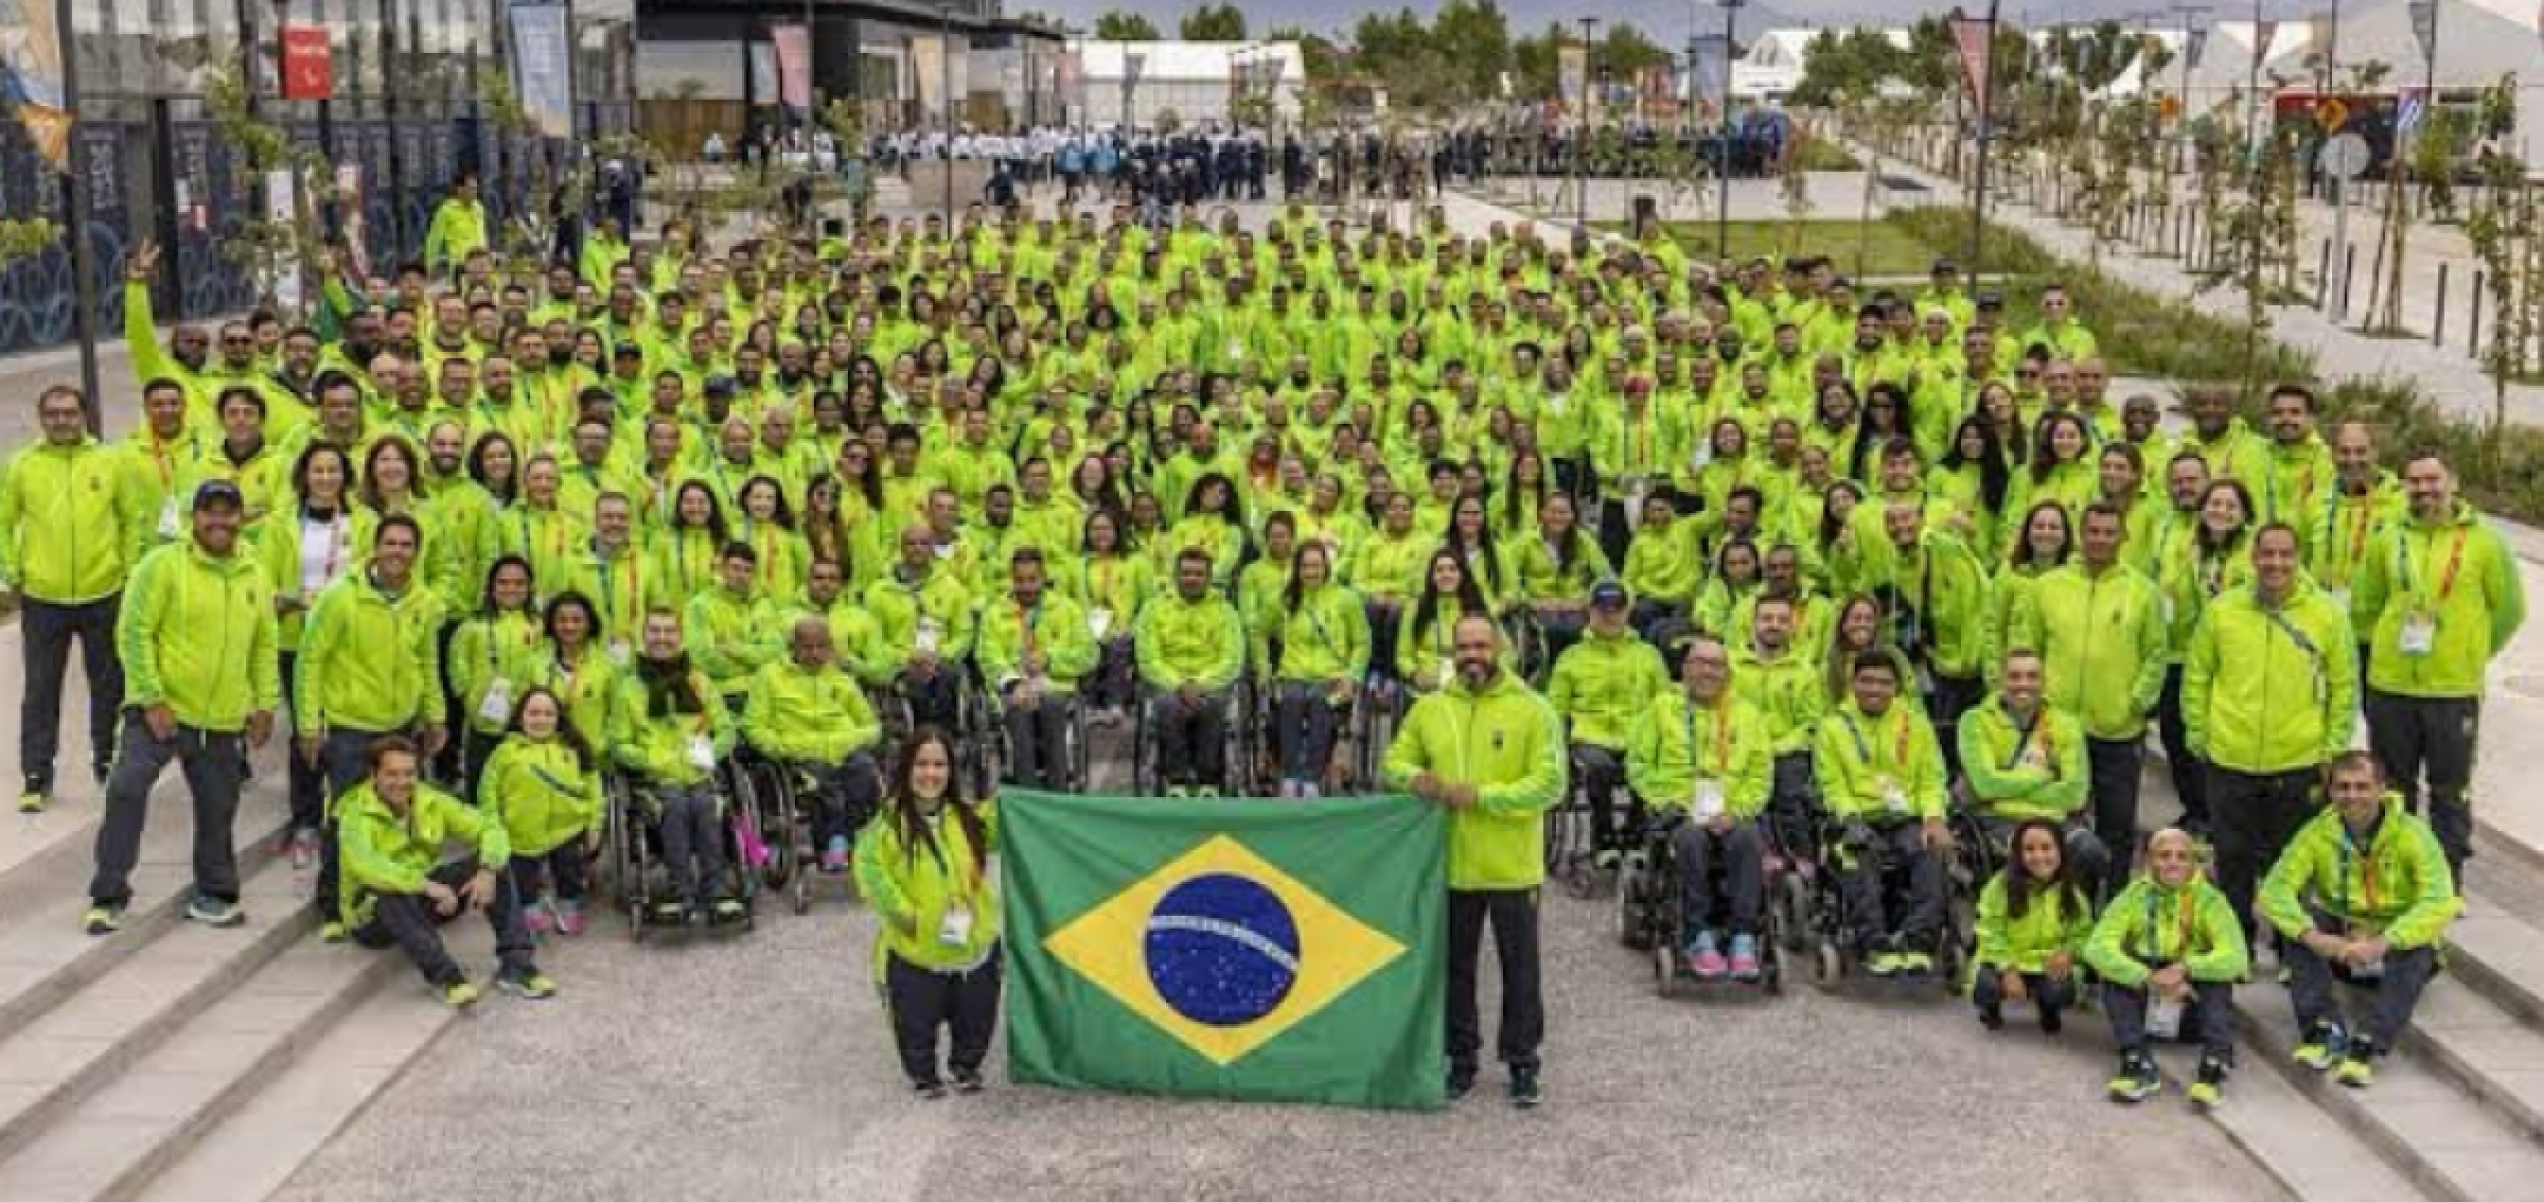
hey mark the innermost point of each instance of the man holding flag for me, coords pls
(1490, 750)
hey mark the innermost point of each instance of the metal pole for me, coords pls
(1581, 145)
(1987, 143)
(75, 203)
(1722, 138)
(945, 103)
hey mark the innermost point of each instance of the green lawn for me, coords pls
(1888, 251)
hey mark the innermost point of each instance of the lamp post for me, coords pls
(2187, 12)
(1986, 110)
(75, 210)
(1581, 145)
(1722, 137)
(945, 107)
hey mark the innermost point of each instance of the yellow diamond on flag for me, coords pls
(1221, 950)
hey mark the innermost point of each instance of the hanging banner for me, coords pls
(309, 71)
(1709, 73)
(1069, 79)
(542, 67)
(2424, 23)
(31, 76)
(794, 45)
(1971, 35)
(1572, 74)
(2194, 48)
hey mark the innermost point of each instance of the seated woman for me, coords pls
(390, 830)
(1323, 635)
(674, 730)
(1425, 658)
(2033, 919)
(2169, 952)
(2361, 894)
(1557, 567)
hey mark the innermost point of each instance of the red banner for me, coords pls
(309, 71)
(1971, 34)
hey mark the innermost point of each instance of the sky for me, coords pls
(1668, 21)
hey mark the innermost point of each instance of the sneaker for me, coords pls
(2051, 1022)
(33, 801)
(1206, 792)
(2358, 1068)
(1915, 964)
(1992, 1016)
(1461, 1083)
(528, 983)
(1883, 964)
(214, 912)
(967, 1081)
(930, 1090)
(1607, 859)
(570, 918)
(834, 858)
(460, 995)
(726, 909)
(2210, 1088)
(1744, 958)
(536, 918)
(2136, 1081)
(332, 932)
(302, 847)
(1178, 792)
(1525, 1093)
(669, 913)
(1704, 959)
(103, 918)
(2321, 1046)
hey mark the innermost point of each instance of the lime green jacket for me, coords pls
(1787, 692)
(938, 607)
(2054, 922)
(1057, 626)
(387, 853)
(69, 525)
(1387, 567)
(2397, 886)
(1676, 743)
(2018, 773)
(1949, 588)
(2265, 693)
(912, 881)
(2345, 532)
(541, 792)
(1661, 564)
(2152, 925)
(505, 647)
(729, 636)
(798, 713)
(1506, 742)
(2101, 640)
(369, 661)
(1544, 577)
(1181, 642)
(1861, 761)
(1602, 683)
(656, 746)
(197, 635)
(1325, 636)
(2458, 571)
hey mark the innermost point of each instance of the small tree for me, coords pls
(273, 249)
(2506, 238)
(25, 238)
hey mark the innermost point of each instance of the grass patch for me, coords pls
(1825, 154)
(1873, 250)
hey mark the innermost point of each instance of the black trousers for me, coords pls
(924, 1000)
(1038, 741)
(1192, 741)
(49, 629)
(409, 922)
(1513, 913)
(2431, 738)
(1600, 773)
(215, 765)
(2113, 766)
(2256, 815)
(2190, 775)
(1953, 697)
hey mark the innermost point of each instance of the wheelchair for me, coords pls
(779, 795)
(1651, 914)
(996, 755)
(1832, 935)
(1572, 834)
(1361, 759)
(634, 840)
(1238, 735)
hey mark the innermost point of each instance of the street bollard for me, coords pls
(2438, 323)
(2349, 272)
(2323, 276)
(2473, 318)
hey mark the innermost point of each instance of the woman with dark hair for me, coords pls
(1558, 566)
(2033, 920)
(674, 730)
(544, 786)
(2044, 541)
(2063, 467)
(492, 657)
(1974, 478)
(1212, 521)
(1886, 416)
(767, 525)
(684, 551)
(924, 867)
(1322, 638)
(1425, 654)
(302, 552)
(1114, 582)
(1468, 538)
(573, 664)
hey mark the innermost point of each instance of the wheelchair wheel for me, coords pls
(1792, 907)
(1631, 930)
(773, 796)
(1665, 969)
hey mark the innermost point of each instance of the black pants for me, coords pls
(2432, 737)
(2256, 815)
(49, 629)
(925, 1000)
(1736, 858)
(561, 868)
(1600, 772)
(409, 922)
(2190, 775)
(2390, 1005)
(307, 781)
(1383, 616)
(1862, 873)
(1987, 989)
(1790, 804)
(843, 796)
(1953, 697)
(1038, 741)
(2208, 1018)
(933, 700)
(214, 763)
(2113, 766)
(1310, 724)
(1513, 913)
(1192, 740)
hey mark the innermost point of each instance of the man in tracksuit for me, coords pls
(2446, 598)
(1191, 647)
(1490, 750)
(68, 530)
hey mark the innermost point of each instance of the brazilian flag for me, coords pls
(1257, 950)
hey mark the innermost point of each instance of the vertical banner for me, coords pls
(763, 74)
(309, 71)
(794, 49)
(1971, 35)
(1572, 74)
(31, 49)
(927, 75)
(542, 67)
(1069, 80)
(1709, 72)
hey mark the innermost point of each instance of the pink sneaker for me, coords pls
(537, 919)
(570, 919)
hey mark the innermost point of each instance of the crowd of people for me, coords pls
(1752, 559)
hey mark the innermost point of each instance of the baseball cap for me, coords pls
(719, 383)
(1607, 594)
(218, 492)
(1991, 299)
(1944, 267)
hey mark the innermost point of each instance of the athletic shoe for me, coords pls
(1992, 1016)
(2358, 1068)
(2322, 1046)
(1525, 1093)
(214, 912)
(302, 847)
(2210, 1088)
(834, 858)
(1916, 964)
(1744, 958)
(1461, 1083)
(528, 983)
(930, 1090)
(535, 917)
(332, 932)
(570, 918)
(1704, 959)
(1883, 964)
(967, 1081)
(103, 918)
(33, 801)
(2136, 1080)
(669, 913)
(726, 909)
(460, 995)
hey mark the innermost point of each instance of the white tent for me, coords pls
(2478, 42)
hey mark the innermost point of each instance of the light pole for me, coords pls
(1581, 145)
(1722, 136)
(2187, 12)
(75, 213)
(1986, 127)
(945, 107)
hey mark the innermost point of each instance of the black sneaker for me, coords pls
(967, 1081)
(1992, 1017)
(1461, 1083)
(1524, 1090)
(2051, 1021)
(929, 1090)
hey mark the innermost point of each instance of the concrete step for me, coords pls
(251, 1153)
(79, 1045)
(2485, 1050)
(2500, 957)
(2448, 1142)
(45, 956)
(117, 1140)
(2301, 1146)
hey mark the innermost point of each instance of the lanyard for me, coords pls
(609, 583)
(1722, 738)
(2367, 871)
(2366, 507)
(1864, 750)
(2446, 581)
(2182, 923)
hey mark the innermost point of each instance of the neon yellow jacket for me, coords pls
(1861, 759)
(197, 635)
(505, 647)
(938, 607)
(2152, 925)
(1325, 636)
(2101, 641)
(1661, 565)
(544, 795)
(912, 883)
(1181, 642)
(1602, 683)
(1057, 626)
(729, 636)
(68, 525)
(656, 746)
(369, 661)
(1507, 742)
(2265, 693)
(2398, 886)
(2054, 922)
(796, 713)
(1676, 743)
(386, 853)
(1787, 692)
(2017, 773)
(2460, 571)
